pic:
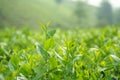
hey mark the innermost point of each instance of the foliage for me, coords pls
(92, 54)
(105, 14)
(58, 1)
(117, 17)
(81, 13)
(1, 17)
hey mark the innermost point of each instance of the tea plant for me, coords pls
(60, 55)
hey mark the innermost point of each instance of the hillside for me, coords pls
(33, 12)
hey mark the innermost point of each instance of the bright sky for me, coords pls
(115, 3)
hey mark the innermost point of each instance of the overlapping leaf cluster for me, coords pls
(60, 55)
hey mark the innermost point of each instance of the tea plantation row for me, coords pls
(92, 54)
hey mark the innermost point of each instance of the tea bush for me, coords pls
(92, 54)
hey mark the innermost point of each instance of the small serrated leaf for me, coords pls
(49, 43)
(43, 52)
(50, 34)
(40, 73)
(117, 59)
(15, 60)
(43, 27)
(48, 24)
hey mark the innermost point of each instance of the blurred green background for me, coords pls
(61, 13)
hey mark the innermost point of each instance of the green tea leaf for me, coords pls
(15, 60)
(43, 52)
(117, 59)
(40, 73)
(26, 69)
(43, 27)
(11, 67)
(48, 23)
(49, 43)
(50, 34)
